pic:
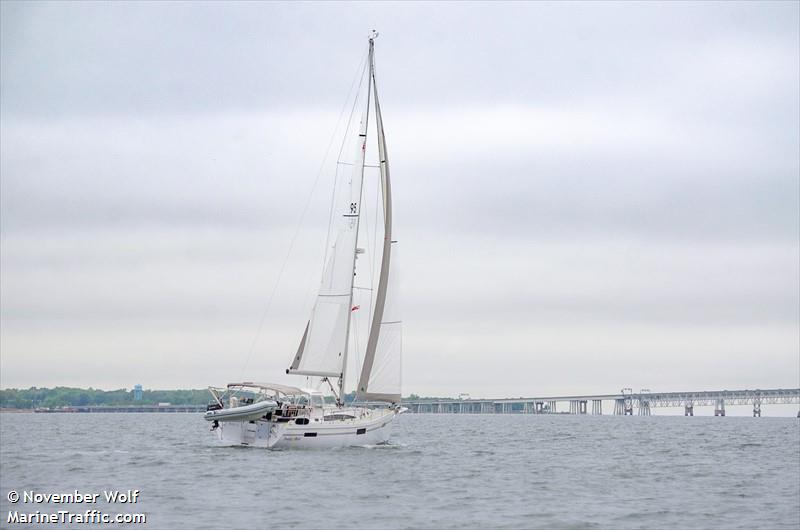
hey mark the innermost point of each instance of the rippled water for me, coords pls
(442, 471)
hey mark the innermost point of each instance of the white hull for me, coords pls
(369, 427)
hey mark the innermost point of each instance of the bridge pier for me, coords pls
(719, 408)
(577, 406)
(644, 407)
(552, 407)
(628, 406)
(688, 409)
(597, 407)
(619, 407)
(539, 407)
(757, 409)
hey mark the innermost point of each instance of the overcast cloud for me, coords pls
(588, 195)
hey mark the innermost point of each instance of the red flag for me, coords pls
(356, 308)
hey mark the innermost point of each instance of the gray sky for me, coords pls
(589, 196)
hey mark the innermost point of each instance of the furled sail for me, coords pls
(323, 348)
(381, 372)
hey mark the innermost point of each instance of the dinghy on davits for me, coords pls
(253, 411)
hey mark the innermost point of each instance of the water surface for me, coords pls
(441, 471)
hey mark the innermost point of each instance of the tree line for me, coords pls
(61, 396)
(29, 398)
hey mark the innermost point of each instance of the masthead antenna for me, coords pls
(373, 35)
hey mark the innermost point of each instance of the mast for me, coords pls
(363, 137)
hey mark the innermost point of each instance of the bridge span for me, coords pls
(624, 403)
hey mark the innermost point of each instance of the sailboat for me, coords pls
(279, 416)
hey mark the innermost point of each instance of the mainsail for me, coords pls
(323, 348)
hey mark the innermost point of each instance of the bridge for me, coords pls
(624, 403)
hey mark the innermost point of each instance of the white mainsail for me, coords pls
(323, 348)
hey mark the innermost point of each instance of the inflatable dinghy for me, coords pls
(241, 413)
